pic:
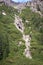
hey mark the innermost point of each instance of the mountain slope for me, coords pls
(34, 27)
(33, 24)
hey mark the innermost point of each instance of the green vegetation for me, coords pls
(36, 32)
(9, 35)
(4, 43)
(12, 54)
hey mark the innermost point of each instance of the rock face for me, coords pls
(18, 23)
(20, 26)
(34, 4)
(27, 40)
(39, 4)
(6, 1)
(1, 0)
(9, 2)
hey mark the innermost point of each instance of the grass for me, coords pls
(16, 56)
(35, 21)
(7, 24)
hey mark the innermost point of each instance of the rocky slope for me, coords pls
(24, 32)
(39, 4)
